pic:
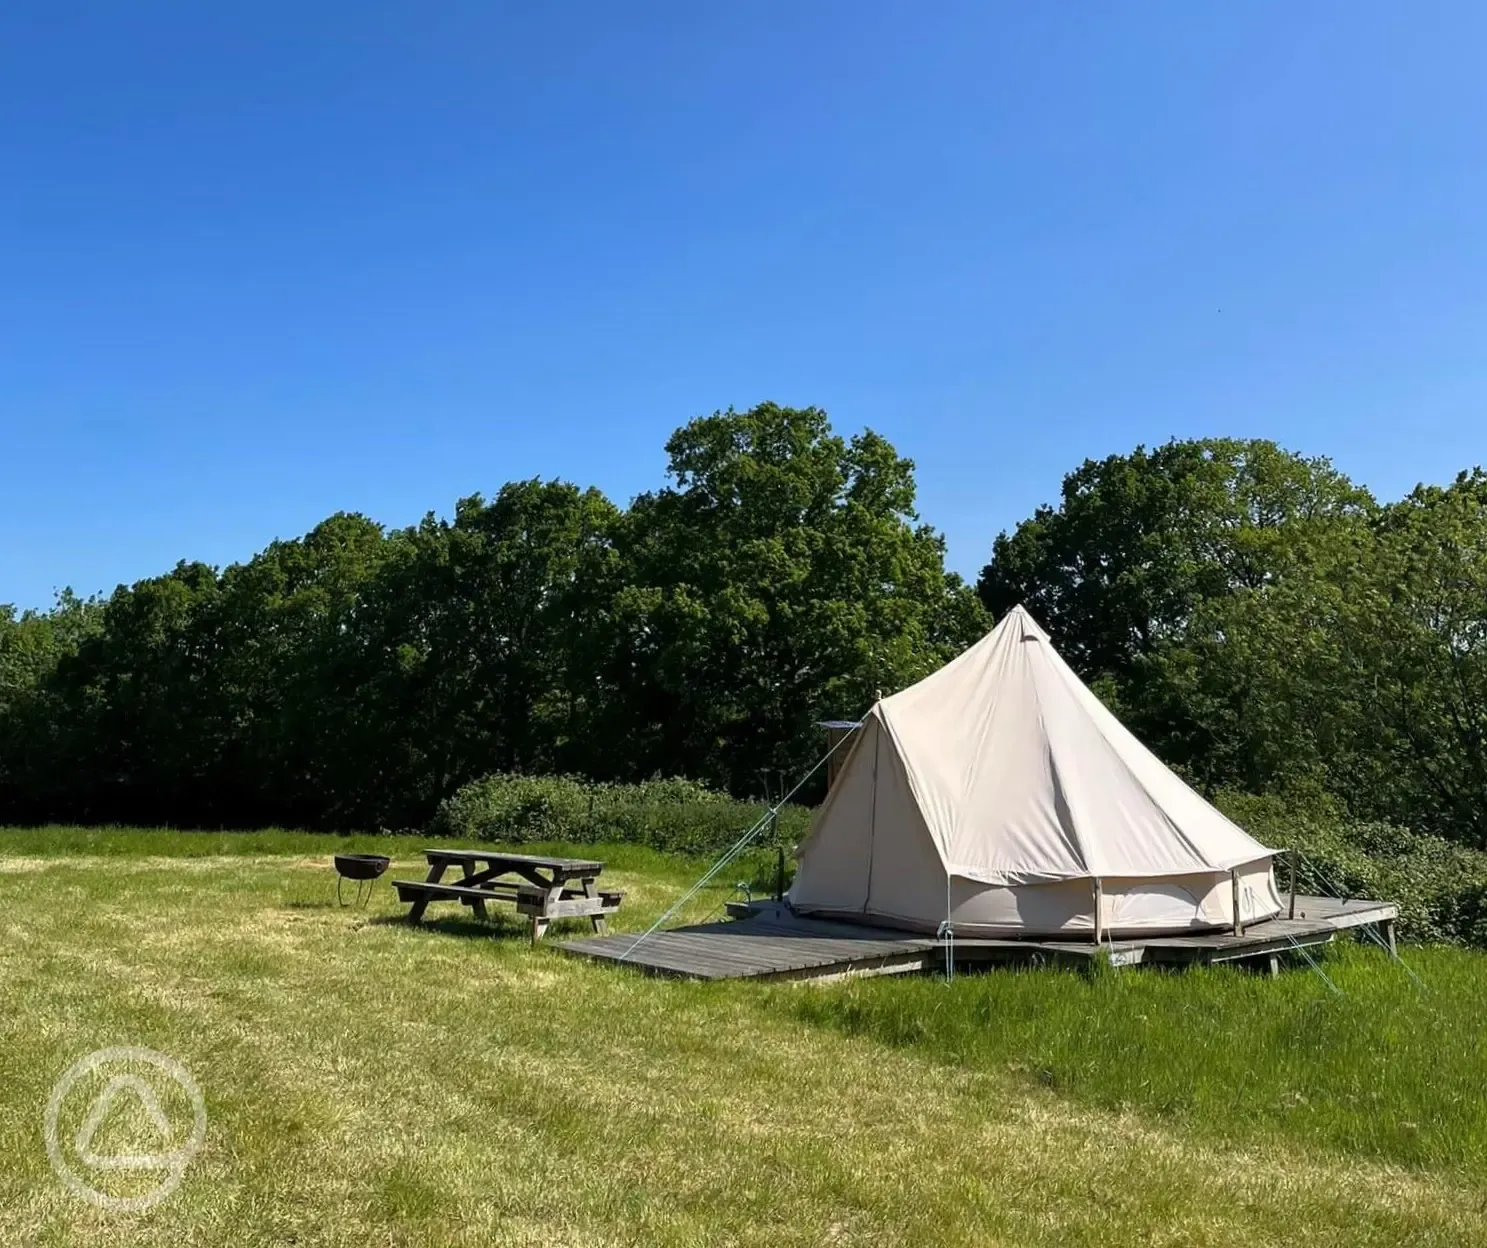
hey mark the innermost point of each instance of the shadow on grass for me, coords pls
(350, 905)
(466, 925)
(501, 926)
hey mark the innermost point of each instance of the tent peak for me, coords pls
(1021, 623)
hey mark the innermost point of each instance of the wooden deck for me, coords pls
(764, 940)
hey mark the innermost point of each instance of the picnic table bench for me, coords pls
(543, 888)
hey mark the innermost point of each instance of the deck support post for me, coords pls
(1099, 910)
(779, 866)
(1386, 930)
(1234, 888)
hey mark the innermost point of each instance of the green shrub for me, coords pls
(677, 816)
(513, 808)
(1439, 886)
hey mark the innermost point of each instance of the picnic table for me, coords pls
(542, 888)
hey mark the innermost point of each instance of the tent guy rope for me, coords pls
(734, 850)
(1328, 887)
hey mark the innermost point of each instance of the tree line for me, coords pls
(355, 677)
(1264, 623)
(1268, 627)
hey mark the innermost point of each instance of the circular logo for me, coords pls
(126, 1063)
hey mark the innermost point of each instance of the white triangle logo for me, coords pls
(127, 1161)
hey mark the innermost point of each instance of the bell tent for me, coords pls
(1001, 795)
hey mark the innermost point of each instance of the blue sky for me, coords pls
(265, 262)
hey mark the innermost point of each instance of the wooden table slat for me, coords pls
(548, 888)
(528, 860)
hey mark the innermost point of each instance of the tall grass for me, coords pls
(1386, 1069)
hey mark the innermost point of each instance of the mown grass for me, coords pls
(371, 1084)
(120, 842)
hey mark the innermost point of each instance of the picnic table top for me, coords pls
(494, 856)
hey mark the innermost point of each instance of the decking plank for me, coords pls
(712, 953)
(772, 943)
(768, 955)
(690, 963)
(685, 964)
(749, 956)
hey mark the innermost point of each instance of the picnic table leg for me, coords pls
(436, 873)
(541, 920)
(600, 926)
(477, 906)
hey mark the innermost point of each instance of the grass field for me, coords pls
(369, 1084)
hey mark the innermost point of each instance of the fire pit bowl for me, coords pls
(364, 869)
(361, 866)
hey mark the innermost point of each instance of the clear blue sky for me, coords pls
(262, 262)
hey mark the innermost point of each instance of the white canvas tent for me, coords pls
(1001, 794)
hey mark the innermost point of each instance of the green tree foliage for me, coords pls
(1426, 639)
(1253, 615)
(1141, 541)
(1144, 572)
(782, 576)
(1268, 628)
(357, 677)
(1364, 674)
(290, 673)
(32, 644)
(478, 636)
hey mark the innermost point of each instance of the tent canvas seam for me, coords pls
(872, 819)
(914, 792)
